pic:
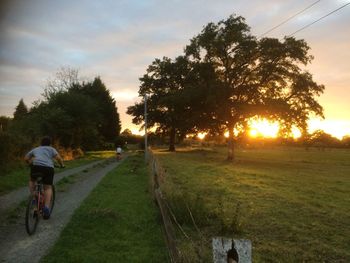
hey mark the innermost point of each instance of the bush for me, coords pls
(12, 148)
(6, 149)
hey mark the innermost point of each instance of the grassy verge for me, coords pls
(18, 176)
(293, 204)
(118, 222)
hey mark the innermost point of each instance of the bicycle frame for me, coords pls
(39, 195)
(35, 211)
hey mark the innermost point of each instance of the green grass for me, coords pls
(118, 222)
(293, 204)
(18, 176)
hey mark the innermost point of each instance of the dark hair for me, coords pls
(46, 141)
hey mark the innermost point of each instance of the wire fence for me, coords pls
(169, 218)
(174, 232)
(158, 177)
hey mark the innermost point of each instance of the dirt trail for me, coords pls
(15, 197)
(17, 246)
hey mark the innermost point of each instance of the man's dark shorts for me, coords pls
(42, 171)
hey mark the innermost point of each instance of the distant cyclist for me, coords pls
(41, 160)
(119, 152)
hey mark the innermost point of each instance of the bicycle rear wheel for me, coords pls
(53, 196)
(32, 216)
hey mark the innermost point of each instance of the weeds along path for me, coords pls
(15, 197)
(17, 246)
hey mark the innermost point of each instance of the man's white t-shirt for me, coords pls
(43, 156)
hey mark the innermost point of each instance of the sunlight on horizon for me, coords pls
(296, 133)
(201, 135)
(336, 128)
(137, 132)
(268, 129)
(263, 128)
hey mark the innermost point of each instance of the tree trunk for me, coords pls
(230, 146)
(172, 140)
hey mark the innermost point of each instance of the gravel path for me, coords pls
(15, 197)
(17, 246)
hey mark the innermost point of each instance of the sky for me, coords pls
(117, 40)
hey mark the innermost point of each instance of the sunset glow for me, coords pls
(267, 129)
(235, 132)
(137, 132)
(201, 135)
(336, 128)
(263, 128)
(296, 133)
(116, 55)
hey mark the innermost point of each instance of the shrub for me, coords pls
(12, 148)
(6, 149)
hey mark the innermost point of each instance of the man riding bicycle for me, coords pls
(41, 160)
(119, 152)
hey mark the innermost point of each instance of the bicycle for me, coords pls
(36, 204)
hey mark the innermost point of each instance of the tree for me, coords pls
(168, 104)
(65, 78)
(4, 123)
(126, 132)
(320, 138)
(109, 125)
(257, 77)
(105, 115)
(20, 111)
(346, 141)
(70, 118)
(83, 115)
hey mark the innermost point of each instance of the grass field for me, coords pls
(118, 222)
(293, 204)
(19, 175)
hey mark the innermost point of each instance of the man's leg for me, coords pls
(31, 186)
(48, 194)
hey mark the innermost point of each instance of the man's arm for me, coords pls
(59, 160)
(28, 159)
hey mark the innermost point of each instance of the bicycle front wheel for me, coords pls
(32, 216)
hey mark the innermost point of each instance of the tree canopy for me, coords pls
(20, 111)
(258, 77)
(229, 77)
(168, 106)
(74, 113)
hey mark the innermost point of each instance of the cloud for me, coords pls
(117, 40)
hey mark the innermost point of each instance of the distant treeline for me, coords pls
(77, 115)
(317, 139)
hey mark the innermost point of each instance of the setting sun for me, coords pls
(296, 133)
(201, 135)
(263, 128)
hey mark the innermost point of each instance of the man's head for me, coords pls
(46, 141)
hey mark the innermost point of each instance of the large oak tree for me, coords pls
(257, 77)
